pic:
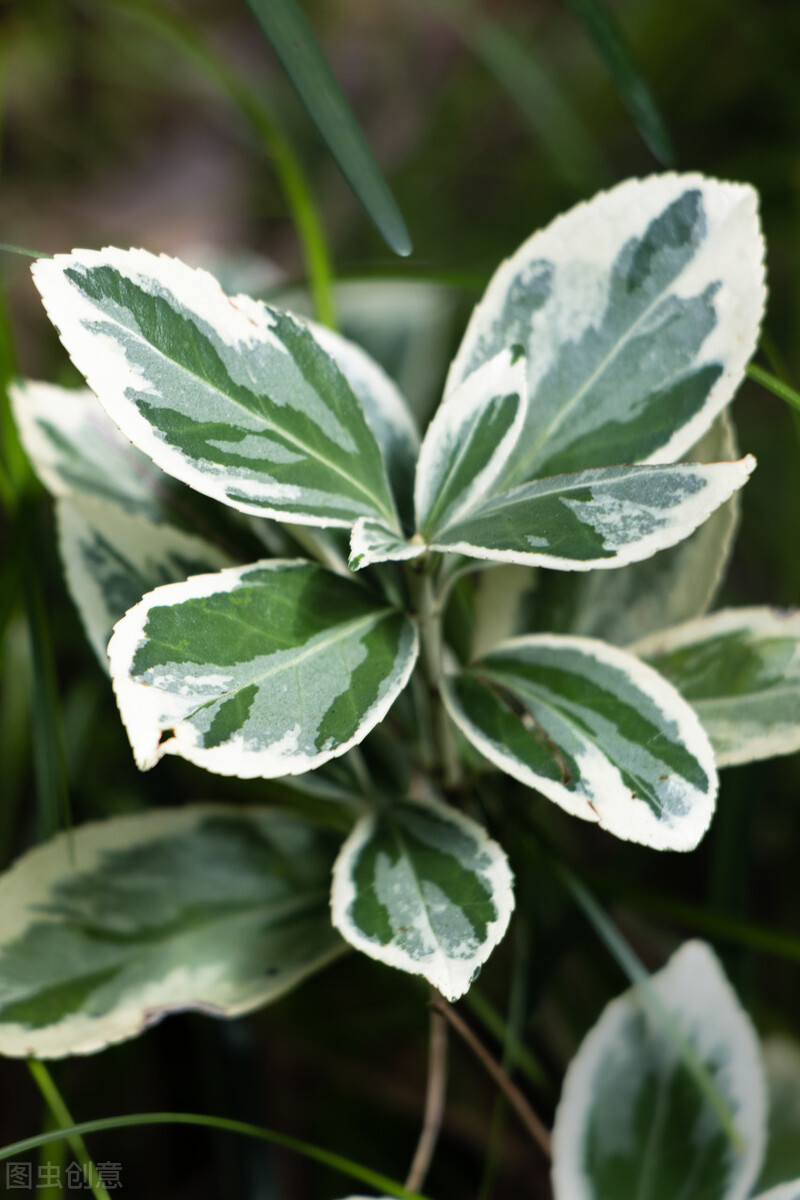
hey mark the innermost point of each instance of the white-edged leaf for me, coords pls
(235, 399)
(468, 443)
(782, 1158)
(673, 586)
(385, 408)
(265, 670)
(582, 723)
(403, 324)
(117, 924)
(77, 450)
(740, 670)
(637, 311)
(371, 542)
(112, 557)
(421, 887)
(597, 519)
(632, 1121)
(784, 1191)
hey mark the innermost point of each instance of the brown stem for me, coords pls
(434, 1102)
(515, 1097)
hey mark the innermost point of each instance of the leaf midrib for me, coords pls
(270, 424)
(654, 801)
(648, 1161)
(277, 911)
(553, 485)
(339, 634)
(399, 839)
(525, 462)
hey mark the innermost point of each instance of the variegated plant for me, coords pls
(582, 429)
(667, 1096)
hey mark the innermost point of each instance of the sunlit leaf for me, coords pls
(238, 400)
(386, 410)
(637, 312)
(674, 585)
(468, 443)
(598, 519)
(403, 324)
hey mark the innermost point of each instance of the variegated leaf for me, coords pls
(468, 443)
(386, 410)
(782, 1158)
(637, 311)
(371, 542)
(594, 519)
(421, 887)
(784, 1191)
(585, 725)
(264, 670)
(672, 586)
(112, 557)
(632, 1121)
(403, 324)
(740, 670)
(237, 400)
(76, 450)
(110, 928)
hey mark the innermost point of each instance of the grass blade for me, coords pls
(49, 758)
(7, 248)
(518, 1054)
(638, 975)
(337, 1162)
(777, 943)
(287, 166)
(547, 110)
(633, 90)
(61, 1114)
(778, 388)
(287, 29)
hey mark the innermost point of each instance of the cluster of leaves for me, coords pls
(582, 428)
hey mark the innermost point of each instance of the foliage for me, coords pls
(419, 633)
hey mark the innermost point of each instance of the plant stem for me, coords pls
(434, 1102)
(519, 1054)
(428, 609)
(515, 1097)
(63, 1118)
(516, 1020)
